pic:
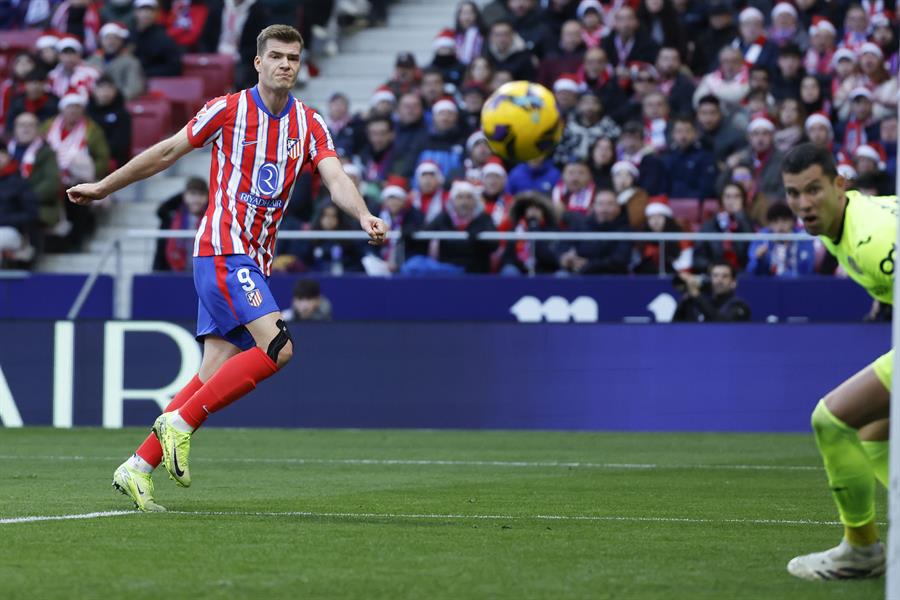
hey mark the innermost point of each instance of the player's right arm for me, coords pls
(151, 161)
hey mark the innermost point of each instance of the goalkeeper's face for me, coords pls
(816, 199)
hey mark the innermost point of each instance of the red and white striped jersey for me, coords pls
(256, 159)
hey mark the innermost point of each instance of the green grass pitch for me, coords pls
(422, 514)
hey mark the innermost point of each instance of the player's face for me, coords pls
(279, 65)
(815, 198)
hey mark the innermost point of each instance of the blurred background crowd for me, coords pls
(677, 114)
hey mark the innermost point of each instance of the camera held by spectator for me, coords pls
(712, 297)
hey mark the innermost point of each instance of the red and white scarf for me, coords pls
(430, 205)
(873, 7)
(854, 136)
(592, 39)
(79, 81)
(817, 63)
(67, 144)
(579, 202)
(655, 134)
(753, 51)
(60, 22)
(604, 77)
(498, 208)
(26, 165)
(717, 77)
(854, 40)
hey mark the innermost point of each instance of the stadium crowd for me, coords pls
(677, 114)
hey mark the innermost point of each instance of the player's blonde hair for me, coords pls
(282, 33)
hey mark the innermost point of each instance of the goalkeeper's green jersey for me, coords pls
(866, 245)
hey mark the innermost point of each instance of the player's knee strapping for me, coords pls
(877, 451)
(279, 342)
(850, 474)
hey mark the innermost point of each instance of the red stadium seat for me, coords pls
(687, 210)
(185, 94)
(12, 42)
(151, 117)
(216, 71)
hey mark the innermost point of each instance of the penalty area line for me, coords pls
(422, 517)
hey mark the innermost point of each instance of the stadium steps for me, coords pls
(366, 59)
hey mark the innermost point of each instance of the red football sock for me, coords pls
(236, 377)
(150, 450)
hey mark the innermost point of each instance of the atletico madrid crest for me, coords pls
(254, 298)
(293, 148)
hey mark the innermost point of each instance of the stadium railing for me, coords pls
(114, 249)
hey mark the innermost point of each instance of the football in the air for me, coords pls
(521, 121)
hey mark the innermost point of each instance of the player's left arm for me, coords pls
(347, 197)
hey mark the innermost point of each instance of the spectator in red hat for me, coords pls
(507, 51)
(627, 42)
(873, 76)
(675, 84)
(566, 57)
(843, 68)
(729, 218)
(445, 59)
(785, 26)
(469, 32)
(591, 18)
(444, 144)
(790, 121)
(752, 42)
(765, 161)
(861, 127)
(629, 194)
(870, 160)
(660, 219)
(478, 153)
(81, 149)
(493, 192)
(600, 257)
(532, 213)
(46, 55)
(660, 18)
(585, 126)
(80, 19)
(819, 131)
(730, 83)
(401, 217)
(566, 90)
(382, 103)
(116, 60)
(429, 196)
(464, 212)
(71, 75)
(692, 168)
(822, 34)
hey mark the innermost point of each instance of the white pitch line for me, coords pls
(425, 516)
(447, 463)
(92, 515)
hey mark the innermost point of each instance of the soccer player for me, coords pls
(850, 423)
(261, 139)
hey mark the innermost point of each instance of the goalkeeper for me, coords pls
(850, 423)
